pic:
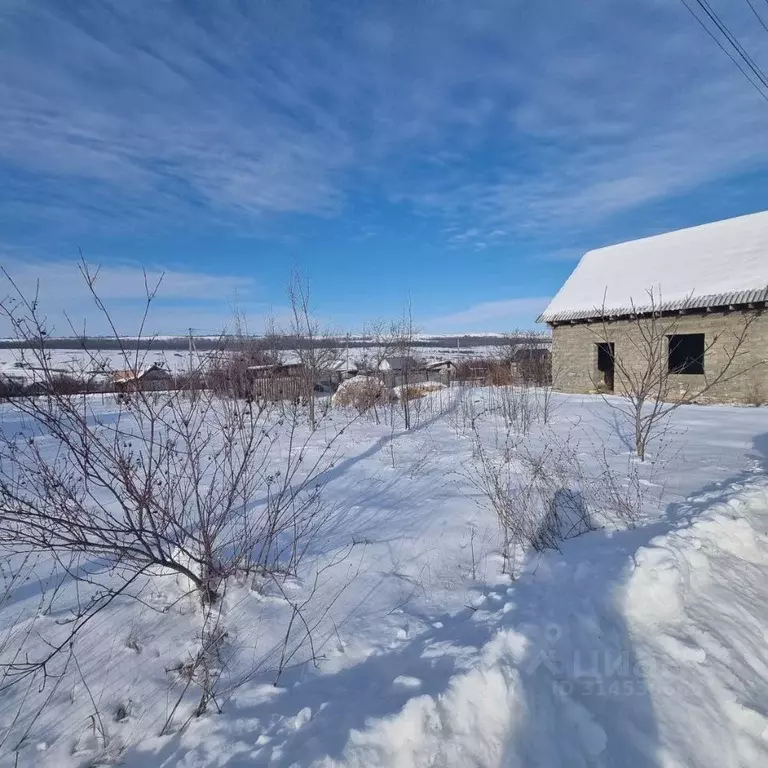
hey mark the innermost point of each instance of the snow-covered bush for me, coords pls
(361, 393)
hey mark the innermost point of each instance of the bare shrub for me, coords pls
(180, 483)
(202, 668)
(10, 388)
(517, 405)
(536, 495)
(403, 334)
(315, 348)
(361, 393)
(543, 491)
(484, 371)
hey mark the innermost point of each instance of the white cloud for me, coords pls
(500, 316)
(498, 121)
(616, 107)
(183, 299)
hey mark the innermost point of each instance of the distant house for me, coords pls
(399, 365)
(341, 370)
(151, 377)
(705, 280)
(441, 366)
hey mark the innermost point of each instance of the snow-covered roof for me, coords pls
(343, 366)
(398, 363)
(123, 377)
(717, 264)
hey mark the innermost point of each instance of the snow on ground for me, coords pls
(177, 361)
(21, 364)
(637, 647)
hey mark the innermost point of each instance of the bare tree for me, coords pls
(645, 364)
(181, 483)
(403, 335)
(315, 348)
(381, 338)
(242, 358)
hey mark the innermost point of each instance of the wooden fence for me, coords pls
(278, 388)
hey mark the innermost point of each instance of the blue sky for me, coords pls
(460, 153)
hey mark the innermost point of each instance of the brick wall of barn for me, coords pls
(575, 352)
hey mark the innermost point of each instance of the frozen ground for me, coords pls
(21, 364)
(639, 647)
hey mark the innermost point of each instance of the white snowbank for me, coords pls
(466, 725)
(673, 673)
(697, 609)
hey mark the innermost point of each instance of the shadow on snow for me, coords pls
(583, 696)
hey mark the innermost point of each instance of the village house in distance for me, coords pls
(686, 309)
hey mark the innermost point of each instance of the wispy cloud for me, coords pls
(500, 122)
(183, 299)
(490, 316)
(615, 107)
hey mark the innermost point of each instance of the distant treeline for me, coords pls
(278, 342)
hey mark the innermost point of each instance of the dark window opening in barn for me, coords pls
(605, 358)
(686, 353)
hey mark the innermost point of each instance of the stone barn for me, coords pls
(687, 309)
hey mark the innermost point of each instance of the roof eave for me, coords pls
(745, 298)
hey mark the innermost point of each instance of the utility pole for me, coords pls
(190, 352)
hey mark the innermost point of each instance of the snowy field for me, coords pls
(631, 646)
(77, 362)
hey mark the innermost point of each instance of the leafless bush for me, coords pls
(180, 483)
(483, 371)
(62, 384)
(547, 489)
(403, 334)
(10, 388)
(536, 495)
(315, 348)
(202, 668)
(517, 405)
